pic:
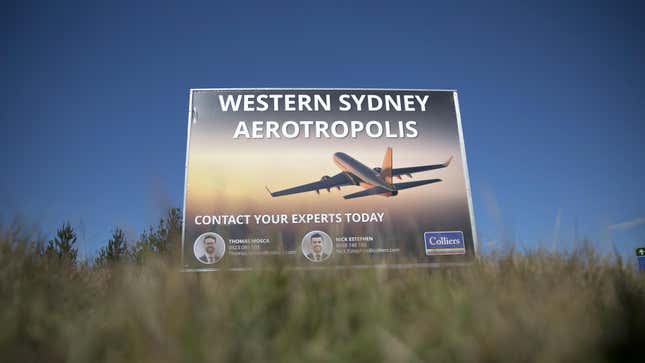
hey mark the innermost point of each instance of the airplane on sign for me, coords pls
(376, 181)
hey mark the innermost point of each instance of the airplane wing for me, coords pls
(336, 181)
(416, 183)
(417, 169)
(366, 192)
(397, 186)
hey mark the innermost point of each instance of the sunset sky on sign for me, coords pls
(95, 101)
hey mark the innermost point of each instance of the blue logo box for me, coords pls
(444, 243)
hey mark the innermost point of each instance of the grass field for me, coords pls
(538, 307)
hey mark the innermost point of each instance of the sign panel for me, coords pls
(640, 254)
(325, 178)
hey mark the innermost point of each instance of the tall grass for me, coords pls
(537, 307)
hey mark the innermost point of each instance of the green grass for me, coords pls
(538, 307)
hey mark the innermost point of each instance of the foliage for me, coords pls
(162, 239)
(537, 307)
(63, 246)
(116, 249)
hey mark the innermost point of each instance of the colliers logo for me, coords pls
(444, 243)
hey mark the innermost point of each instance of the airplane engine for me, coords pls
(325, 178)
(351, 177)
(394, 193)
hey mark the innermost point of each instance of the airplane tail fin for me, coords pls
(386, 168)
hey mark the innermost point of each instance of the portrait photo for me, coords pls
(317, 246)
(209, 248)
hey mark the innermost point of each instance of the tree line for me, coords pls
(157, 240)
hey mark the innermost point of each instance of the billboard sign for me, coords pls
(325, 178)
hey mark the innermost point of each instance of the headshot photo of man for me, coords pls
(316, 246)
(209, 248)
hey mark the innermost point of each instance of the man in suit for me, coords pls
(317, 254)
(211, 252)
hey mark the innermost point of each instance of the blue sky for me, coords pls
(95, 101)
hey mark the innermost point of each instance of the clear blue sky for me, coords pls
(95, 100)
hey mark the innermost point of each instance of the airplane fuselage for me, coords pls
(375, 181)
(368, 176)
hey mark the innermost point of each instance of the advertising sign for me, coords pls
(330, 178)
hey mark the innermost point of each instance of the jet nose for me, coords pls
(337, 156)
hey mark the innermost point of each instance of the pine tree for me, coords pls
(161, 239)
(63, 246)
(170, 243)
(116, 249)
